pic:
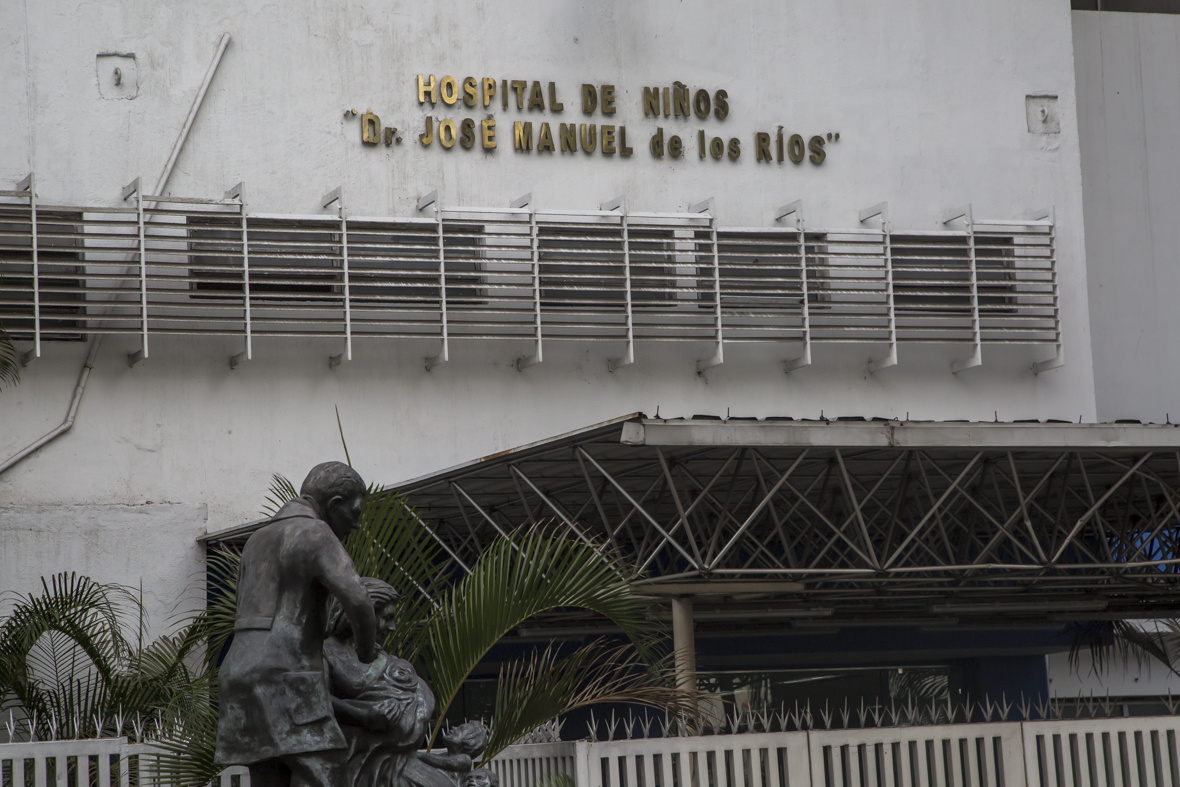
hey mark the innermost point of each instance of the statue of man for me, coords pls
(275, 709)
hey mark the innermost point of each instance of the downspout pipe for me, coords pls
(96, 341)
(65, 426)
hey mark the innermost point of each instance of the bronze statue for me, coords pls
(384, 709)
(276, 715)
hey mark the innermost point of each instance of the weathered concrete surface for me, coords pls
(152, 546)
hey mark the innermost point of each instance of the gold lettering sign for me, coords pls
(687, 108)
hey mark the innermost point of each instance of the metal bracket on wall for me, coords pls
(976, 358)
(526, 361)
(796, 209)
(1049, 215)
(336, 195)
(134, 188)
(238, 193)
(444, 353)
(29, 185)
(620, 204)
(881, 210)
(709, 206)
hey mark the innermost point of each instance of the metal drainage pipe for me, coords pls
(96, 342)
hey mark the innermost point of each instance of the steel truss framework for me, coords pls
(877, 522)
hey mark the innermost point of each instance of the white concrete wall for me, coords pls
(1121, 677)
(150, 548)
(929, 99)
(1128, 69)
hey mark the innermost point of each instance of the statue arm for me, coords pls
(338, 575)
(456, 763)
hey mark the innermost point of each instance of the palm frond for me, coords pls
(221, 608)
(393, 544)
(281, 492)
(189, 739)
(511, 582)
(9, 361)
(1106, 639)
(533, 692)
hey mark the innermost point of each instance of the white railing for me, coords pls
(191, 266)
(103, 762)
(1119, 752)
(1111, 752)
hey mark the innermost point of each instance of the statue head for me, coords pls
(384, 599)
(481, 777)
(338, 493)
(469, 738)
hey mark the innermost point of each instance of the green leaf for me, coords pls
(282, 491)
(533, 692)
(393, 544)
(511, 582)
(9, 361)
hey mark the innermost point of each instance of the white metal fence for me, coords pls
(1119, 752)
(190, 266)
(1113, 752)
(103, 762)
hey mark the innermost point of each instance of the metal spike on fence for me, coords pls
(827, 716)
(666, 726)
(610, 729)
(844, 713)
(645, 725)
(629, 725)
(766, 715)
(592, 728)
(1025, 708)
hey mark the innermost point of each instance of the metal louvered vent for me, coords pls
(168, 265)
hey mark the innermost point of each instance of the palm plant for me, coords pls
(73, 662)
(446, 626)
(1157, 640)
(9, 361)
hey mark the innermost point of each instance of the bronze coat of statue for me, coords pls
(276, 715)
(384, 709)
